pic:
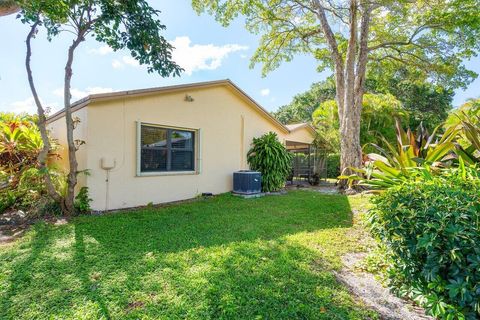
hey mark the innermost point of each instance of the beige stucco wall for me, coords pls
(301, 135)
(58, 130)
(226, 124)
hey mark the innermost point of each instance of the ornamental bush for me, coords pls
(21, 180)
(333, 166)
(431, 230)
(270, 157)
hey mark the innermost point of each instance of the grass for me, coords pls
(217, 258)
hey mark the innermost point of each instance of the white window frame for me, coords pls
(196, 151)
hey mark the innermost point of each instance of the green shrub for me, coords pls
(82, 201)
(7, 199)
(21, 182)
(272, 159)
(431, 229)
(333, 166)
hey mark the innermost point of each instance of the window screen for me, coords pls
(164, 149)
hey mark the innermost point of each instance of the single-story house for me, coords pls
(169, 143)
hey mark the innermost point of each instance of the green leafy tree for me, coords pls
(430, 38)
(270, 157)
(425, 101)
(304, 104)
(378, 120)
(128, 24)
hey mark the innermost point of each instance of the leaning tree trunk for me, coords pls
(43, 155)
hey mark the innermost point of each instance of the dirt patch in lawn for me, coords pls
(14, 223)
(373, 294)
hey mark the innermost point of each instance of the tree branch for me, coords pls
(362, 57)
(410, 40)
(336, 56)
(72, 160)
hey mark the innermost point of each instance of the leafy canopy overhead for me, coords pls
(126, 24)
(302, 106)
(421, 100)
(430, 37)
(378, 120)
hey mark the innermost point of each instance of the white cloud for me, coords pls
(126, 60)
(78, 94)
(201, 57)
(265, 92)
(28, 105)
(103, 50)
(190, 57)
(116, 64)
(130, 61)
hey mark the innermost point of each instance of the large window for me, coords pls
(165, 149)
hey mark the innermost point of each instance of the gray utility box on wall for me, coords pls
(247, 182)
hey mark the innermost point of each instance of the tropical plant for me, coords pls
(21, 180)
(430, 228)
(415, 155)
(82, 201)
(20, 143)
(378, 118)
(270, 157)
(468, 110)
(467, 120)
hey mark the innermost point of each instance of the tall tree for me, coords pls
(423, 101)
(426, 102)
(378, 121)
(130, 24)
(429, 36)
(302, 106)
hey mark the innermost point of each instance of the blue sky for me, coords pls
(206, 50)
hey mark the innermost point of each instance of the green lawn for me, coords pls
(222, 257)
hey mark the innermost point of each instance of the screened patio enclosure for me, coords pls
(306, 162)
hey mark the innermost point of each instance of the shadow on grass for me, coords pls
(224, 257)
(21, 276)
(216, 221)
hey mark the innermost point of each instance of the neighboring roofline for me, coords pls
(150, 91)
(302, 125)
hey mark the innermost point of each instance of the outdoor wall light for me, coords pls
(188, 98)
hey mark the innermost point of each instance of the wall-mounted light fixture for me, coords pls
(188, 98)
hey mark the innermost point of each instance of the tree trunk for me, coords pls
(43, 155)
(72, 148)
(351, 151)
(349, 79)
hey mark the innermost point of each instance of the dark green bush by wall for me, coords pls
(431, 230)
(271, 158)
(333, 166)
